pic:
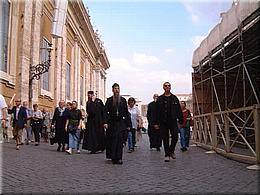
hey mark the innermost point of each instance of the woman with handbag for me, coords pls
(58, 124)
(73, 126)
(185, 127)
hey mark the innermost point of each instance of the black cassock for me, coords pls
(154, 134)
(59, 119)
(118, 120)
(94, 137)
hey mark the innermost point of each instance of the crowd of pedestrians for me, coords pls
(101, 127)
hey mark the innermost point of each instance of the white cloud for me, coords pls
(143, 83)
(195, 19)
(169, 50)
(196, 40)
(143, 59)
(193, 14)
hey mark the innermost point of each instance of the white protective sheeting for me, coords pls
(59, 20)
(229, 22)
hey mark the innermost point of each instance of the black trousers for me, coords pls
(36, 128)
(165, 131)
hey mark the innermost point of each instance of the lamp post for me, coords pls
(37, 70)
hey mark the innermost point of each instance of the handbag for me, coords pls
(52, 137)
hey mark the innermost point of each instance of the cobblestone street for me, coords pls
(43, 170)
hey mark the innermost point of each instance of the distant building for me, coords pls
(187, 98)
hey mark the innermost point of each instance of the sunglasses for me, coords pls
(167, 85)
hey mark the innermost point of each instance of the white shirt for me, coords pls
(17, 111)
(135, 115)
(2, 105)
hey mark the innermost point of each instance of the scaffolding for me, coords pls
(226, 91)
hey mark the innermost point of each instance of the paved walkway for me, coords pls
(43, 170)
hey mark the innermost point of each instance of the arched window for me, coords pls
(4, 29)
(68, 80)
(44, 57)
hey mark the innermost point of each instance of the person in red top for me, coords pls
(185, 127)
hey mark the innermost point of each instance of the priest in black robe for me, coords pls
(94, 138)
(117, 124)
(154, 134)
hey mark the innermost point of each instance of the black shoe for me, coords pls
(58, 149)
(36, 144)
(114, 161)
(92, 152)
(158, 149)
(63, 149)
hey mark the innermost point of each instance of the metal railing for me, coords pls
(233, 133)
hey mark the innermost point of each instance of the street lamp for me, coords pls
(37, 70)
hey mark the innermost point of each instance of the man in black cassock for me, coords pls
(154, 134)
(117, 123)
(94, 138)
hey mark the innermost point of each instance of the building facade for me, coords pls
(78, 59)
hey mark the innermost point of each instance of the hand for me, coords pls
(25, 125)
(128, 128)
(52, 126)
(156, 127)
(105, 126)
(66, 128)
(3, 123)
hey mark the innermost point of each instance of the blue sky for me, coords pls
(149, 42)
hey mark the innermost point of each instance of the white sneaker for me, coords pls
(78, 151)
(167, 159)
(69, 151)
(173, 156)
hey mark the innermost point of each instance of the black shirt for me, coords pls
(74, 116)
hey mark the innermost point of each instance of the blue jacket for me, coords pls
(22, 117)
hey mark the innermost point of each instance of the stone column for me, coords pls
(63, 64)
(24, 34)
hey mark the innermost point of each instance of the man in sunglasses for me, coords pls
(19, 120)
(167, 115)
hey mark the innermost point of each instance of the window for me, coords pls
(4, 29)
(45, 80)
(81, 90)
(68, 78)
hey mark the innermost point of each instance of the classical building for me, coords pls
(78, 59)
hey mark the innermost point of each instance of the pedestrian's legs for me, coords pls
(1, 133)
(133, 137)
(165, 138)
(36, 131)
(174, 140)
(130, 140)
(78, 139)
(183, 137)
(187, 137)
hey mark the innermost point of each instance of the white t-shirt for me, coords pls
(2, 105)
(135, 115)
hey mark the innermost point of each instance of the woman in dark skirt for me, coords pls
(59, 122)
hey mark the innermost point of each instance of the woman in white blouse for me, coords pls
(135, 118)
(36, 123)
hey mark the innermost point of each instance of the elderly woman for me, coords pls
(135, 120)
(36, 123)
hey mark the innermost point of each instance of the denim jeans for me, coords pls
(185, 137)
(1, 133)
(74, 139)
(130, 140)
